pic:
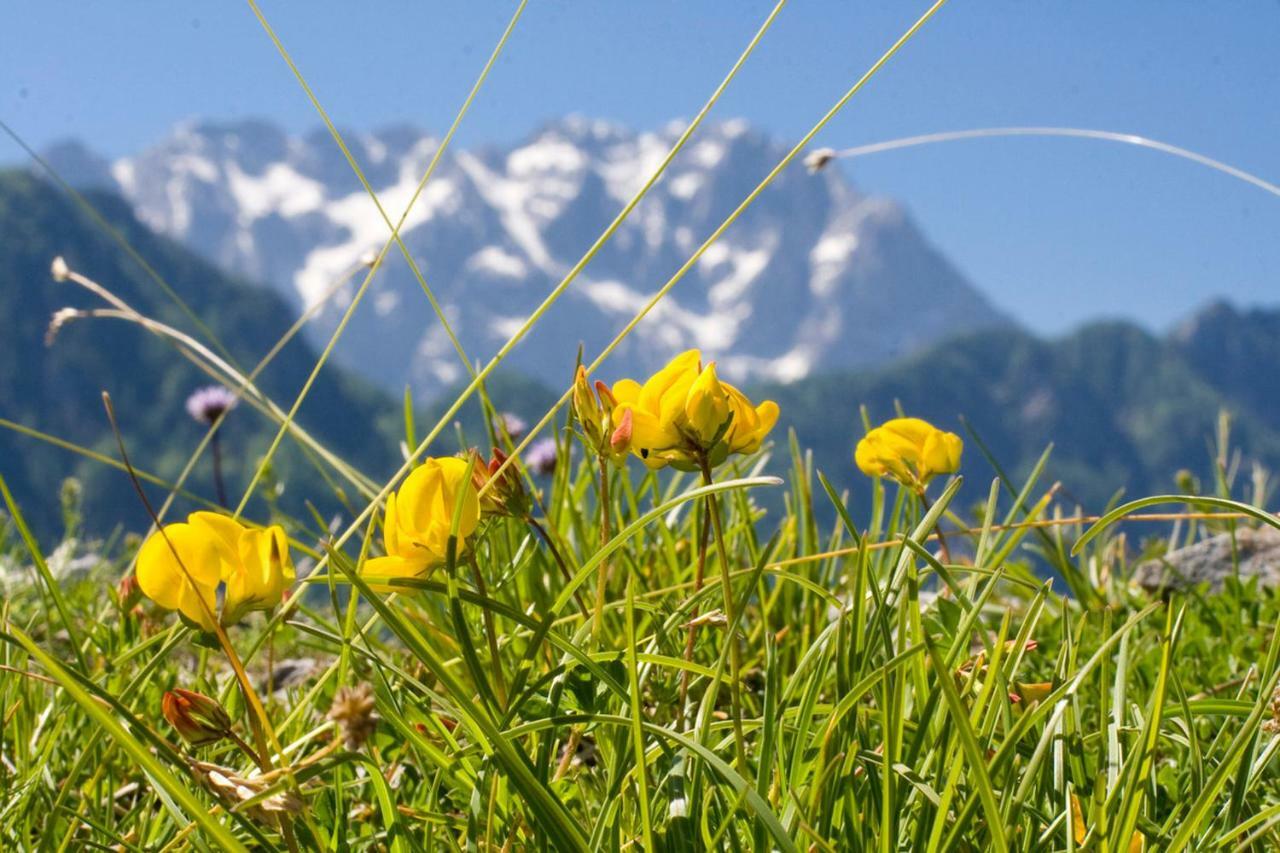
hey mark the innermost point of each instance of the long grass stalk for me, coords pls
(733, 216)
(520, 333)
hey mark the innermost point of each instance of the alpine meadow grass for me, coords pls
(670, 633)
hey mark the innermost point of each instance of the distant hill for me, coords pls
(57, 389)
(814, 277)
(1124, 409)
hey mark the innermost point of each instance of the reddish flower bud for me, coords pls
(199, 719)
(620, 441)
(501, 494)
(128, 592)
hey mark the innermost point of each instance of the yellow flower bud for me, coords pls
(587, 409)
(706, 407)
(504, 493)
(600, 418)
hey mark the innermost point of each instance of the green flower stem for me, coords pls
(730, 612)
(698, 575)
(606, 533)
(215, 445)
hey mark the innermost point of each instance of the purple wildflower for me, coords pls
(512, 423)
(207, 404)
(541, 457)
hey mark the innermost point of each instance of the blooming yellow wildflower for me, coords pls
(181, 568)
(684, 414)
(419, 517)
(910, 450)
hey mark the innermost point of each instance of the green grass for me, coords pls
(875, 695)
(833, 684)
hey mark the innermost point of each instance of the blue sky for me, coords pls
(1056, 232)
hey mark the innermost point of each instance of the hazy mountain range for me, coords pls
(882, 321)
(816, 276)
(1125, 409)
(57, 388)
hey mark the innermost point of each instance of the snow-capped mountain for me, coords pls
(814, 276)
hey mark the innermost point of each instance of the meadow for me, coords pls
(630, 635)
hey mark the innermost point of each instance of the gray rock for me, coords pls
(1257, 554)
(292, 672)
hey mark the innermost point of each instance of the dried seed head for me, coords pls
(1272, 724)
(235, 790)
(59, 269)
(60, 318)
(818, 160)
(353, 711)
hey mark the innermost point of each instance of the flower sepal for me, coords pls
(500, 494)
(199, 634)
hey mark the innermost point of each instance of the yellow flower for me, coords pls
(419, 518)
(706, 406)
(750, 423)
(684, 413)
(179, 569)
(910, 450)
(185, 564)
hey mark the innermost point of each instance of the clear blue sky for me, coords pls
(1054, 231)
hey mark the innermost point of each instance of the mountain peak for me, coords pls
(814, 276)
(1213, 315)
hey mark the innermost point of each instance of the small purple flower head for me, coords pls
(512, 423)
(208, 404)
(541, 457)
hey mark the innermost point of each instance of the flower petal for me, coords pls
(172, 559)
